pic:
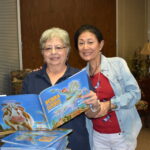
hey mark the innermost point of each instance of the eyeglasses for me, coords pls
(56, 48)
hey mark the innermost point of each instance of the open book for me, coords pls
(51, 108)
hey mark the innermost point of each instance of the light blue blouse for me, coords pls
(127, 94)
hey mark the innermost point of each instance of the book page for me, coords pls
(63, 101)
(21, 112)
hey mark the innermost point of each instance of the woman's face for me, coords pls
(89, 46)
(55, 52)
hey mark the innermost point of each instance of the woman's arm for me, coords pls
(127, 91)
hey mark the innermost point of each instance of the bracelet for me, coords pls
(95, 109)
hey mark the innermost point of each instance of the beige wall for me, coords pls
(131, 26)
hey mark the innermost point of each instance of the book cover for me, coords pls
(64, 101)
(37, 139)
(48, 110)
(58, 145)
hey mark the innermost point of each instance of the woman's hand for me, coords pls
(37, 69)
(105, 108)
(93, 102)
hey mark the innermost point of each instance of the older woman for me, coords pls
(55, 47)
(117, 125)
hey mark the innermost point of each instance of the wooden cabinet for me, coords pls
(145, 88)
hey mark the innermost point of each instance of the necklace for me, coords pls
(98, 82)
(94, 70)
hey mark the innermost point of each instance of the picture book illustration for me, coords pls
(39, 139)
(51, 108)
(21, 112)
(65, 101)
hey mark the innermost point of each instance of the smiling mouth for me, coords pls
(54, 58)
(87, 53)
(17, 119)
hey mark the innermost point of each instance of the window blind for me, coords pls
(9, 47)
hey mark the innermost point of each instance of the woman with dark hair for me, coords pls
(117, 125)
